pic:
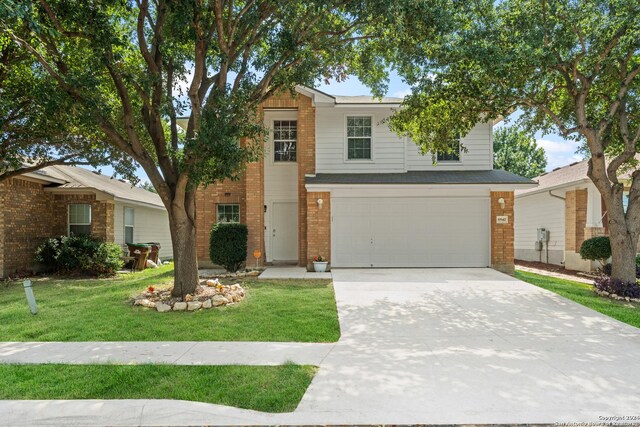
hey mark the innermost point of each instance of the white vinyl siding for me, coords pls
(150, 225)
(331, 142)
(410, 231)
(539, 211)
(280, 178)
(79, 219)
(479, 154)
(390, 153)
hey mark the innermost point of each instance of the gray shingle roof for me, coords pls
(421, 177)
(80, 178)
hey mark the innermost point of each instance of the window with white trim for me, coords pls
(450, 156)
(129, 220)
(228, 213)
(359, 138)
(79, 219)
(285, 137)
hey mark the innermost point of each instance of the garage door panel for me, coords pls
(410, 232)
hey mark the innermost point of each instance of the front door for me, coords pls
(284, 231)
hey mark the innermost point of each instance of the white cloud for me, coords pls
(560, 153)
(401, 93)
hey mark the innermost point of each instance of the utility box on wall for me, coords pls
(543, 235)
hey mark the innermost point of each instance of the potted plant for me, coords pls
(319, 264)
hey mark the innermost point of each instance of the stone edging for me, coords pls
(209, 294)
(615, 296)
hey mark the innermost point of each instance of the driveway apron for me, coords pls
(470, 346)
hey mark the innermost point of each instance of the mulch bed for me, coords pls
(552, 268)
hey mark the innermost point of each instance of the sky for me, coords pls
(560, 152)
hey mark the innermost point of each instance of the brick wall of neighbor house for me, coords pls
(249, 191)
(102, 213)
(25, 222)
(575, 219)
(318, 227)
(502, 235)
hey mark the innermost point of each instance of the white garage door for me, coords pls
(410, 232)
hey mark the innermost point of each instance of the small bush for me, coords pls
(80, 254)
(596, 249)
(637, 261)
(618, 287)
(228, 245)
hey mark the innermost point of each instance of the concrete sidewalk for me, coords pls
(169, 352)
(418, 346)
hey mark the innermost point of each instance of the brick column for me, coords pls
(575, 218)
(254, 202)
(306, 165)
(502, 252)
(318, 236)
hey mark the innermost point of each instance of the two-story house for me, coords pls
(336, 181)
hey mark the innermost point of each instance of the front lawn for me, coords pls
(582, 293)
(100, 310)
(261, 388)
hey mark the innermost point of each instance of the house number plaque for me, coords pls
(502, 219)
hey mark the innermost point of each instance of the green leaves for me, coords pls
(516, 151)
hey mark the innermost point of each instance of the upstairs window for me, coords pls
(228, 213)
(359, 138)
(128, 225)
(285, 137)
(452, 156)
(79, 219)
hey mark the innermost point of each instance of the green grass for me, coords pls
(261, 388)
(101, 310)
(582, 293)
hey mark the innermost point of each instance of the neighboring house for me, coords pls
(336, 182)
(59, 200)
(569, 206)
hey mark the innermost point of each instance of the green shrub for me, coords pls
(228, 245)
(596, 249)
(80, 254)
(637, 260)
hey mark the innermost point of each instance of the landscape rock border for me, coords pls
(615, 296)
(209, 294)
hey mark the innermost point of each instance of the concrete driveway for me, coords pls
(470, 346)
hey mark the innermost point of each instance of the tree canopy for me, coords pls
(40, 127)
(517, 152)
(570, 66)
(130, 68)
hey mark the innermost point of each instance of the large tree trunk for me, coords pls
(623, 246)
(183, 239)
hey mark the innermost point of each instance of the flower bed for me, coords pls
(616, 289)
(209, 293)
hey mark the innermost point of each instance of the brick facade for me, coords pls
(102, 212)
(318, 227)
(207, 200)
(502, 235)
(248, 192)
(30, 215)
